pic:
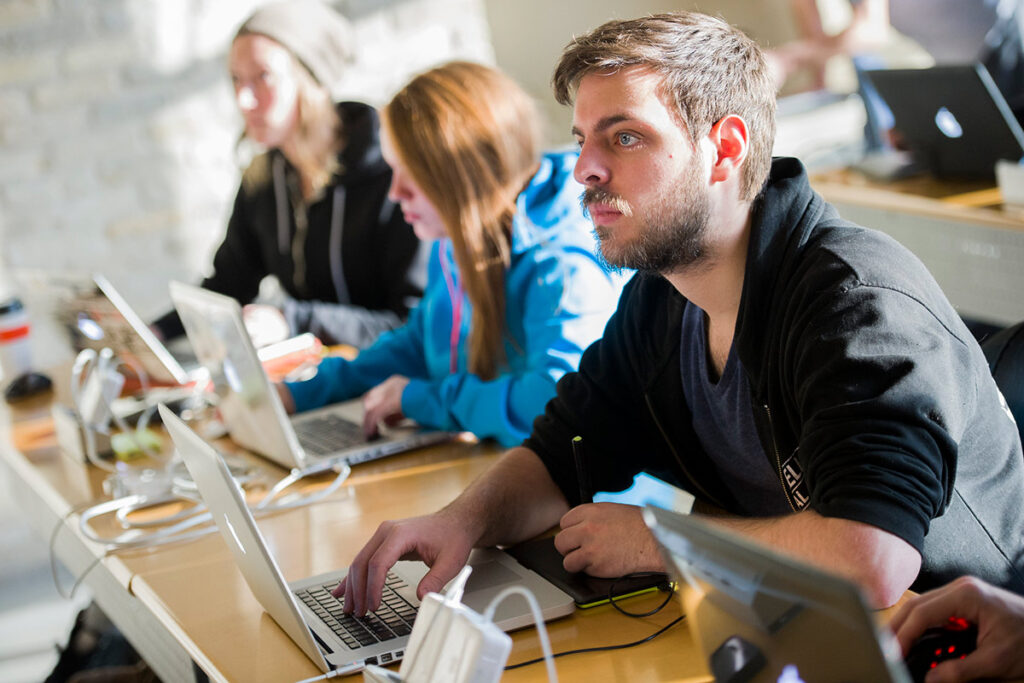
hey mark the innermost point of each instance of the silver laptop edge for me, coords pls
(738, 588)
(273, 434)
(238, 527)
(155, 346)
(493, 569)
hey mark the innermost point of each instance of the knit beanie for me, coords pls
(316, 34)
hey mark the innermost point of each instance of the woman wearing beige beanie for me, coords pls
(312, 209)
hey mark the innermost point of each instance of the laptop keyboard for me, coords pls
(392, 619)
(327, 434)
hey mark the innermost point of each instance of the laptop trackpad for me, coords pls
(490, 574)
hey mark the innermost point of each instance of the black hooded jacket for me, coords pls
(872, 400)
(360, 267)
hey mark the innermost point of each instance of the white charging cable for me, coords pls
(138, 434)
(183, 524)
(298, 500)
(91, 380)
(538, 620)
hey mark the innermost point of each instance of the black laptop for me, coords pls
(953, 118)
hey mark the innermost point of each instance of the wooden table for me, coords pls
(187, 602)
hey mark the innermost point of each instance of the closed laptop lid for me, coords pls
(953, 118)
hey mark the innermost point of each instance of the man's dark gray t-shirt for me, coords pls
(724, 422)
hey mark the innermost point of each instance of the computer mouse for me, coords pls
(26, 386)
(955, 640)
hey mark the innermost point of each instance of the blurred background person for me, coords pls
(950, 31)
(312, 209)
(515, 290)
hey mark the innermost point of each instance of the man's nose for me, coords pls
(591, 168)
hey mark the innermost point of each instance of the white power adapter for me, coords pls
(452, 643)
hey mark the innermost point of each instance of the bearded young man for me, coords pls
(803, 377)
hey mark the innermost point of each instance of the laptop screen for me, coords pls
(107, 319)
(762, 617)
(247, 401)
(953, 118)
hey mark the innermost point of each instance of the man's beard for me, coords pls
(672, 228)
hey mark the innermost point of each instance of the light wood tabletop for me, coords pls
(188, 602)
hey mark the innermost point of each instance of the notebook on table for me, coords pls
(761, 617)
(252, 410)
(305, 609)
(953, 118)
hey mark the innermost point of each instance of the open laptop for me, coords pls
(953, 118)
(251, 408)
(761, 617)
(307, 612)
(107, 320)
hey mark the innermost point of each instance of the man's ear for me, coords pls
(730, 141)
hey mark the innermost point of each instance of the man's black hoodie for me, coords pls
(873, 402)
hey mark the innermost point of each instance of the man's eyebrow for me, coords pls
(603, 124)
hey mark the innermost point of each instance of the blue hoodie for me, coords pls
(558, 297)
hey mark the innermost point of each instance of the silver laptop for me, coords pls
(251, 408)
(305, 609)
(761, 617)
(107, 320)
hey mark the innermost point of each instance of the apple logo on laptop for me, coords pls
(948, 124)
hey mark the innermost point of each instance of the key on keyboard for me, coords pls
(393, 618)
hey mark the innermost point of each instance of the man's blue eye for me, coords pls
(626, 139)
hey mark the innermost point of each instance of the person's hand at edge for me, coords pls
(265, 324)
(998, 613)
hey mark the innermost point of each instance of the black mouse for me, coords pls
(955, 640)
(26, 386)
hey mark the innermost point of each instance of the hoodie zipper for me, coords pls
(778, 458)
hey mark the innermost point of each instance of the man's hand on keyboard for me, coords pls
(439, 540)
(383, 403)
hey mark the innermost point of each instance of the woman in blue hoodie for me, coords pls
(515, 291)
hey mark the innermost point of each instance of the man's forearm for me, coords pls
(514, 500)
(882, 564)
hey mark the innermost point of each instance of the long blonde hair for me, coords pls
(318, 133)
(468, 136)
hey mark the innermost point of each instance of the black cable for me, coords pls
(602, 648)
(663, 585)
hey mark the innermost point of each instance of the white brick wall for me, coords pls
(118, 127)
